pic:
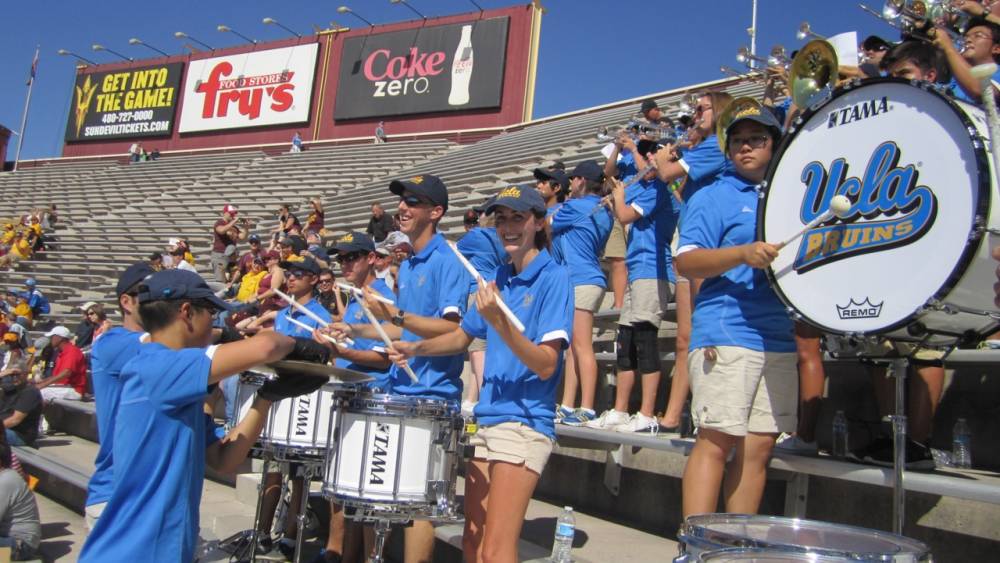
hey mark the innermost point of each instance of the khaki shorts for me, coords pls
(512, 442)
(646, 301)
(674, 244)
(615, 247)
(588, 297)
(744, 391)
(478, 344)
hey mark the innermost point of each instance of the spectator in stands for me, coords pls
(155, 261)
(315, 250)
(154, 154)
(18, 307)
(401, 248)
(286, 222)
(742, 360)
(20, 407)
(7, 238)
(244, 265)
(15, 357)
(470, 220)
(36, 299)
(83, 334)
(383, 265)
(20, 249)
(20, 528)
(133, 152)
(395, 222)
(222, 239)
(380, 136)
(69, 375)
(580, 228)
(36, 234)
(290, 248)
(250, 282)
(379, 225)
(99, 316)
(329, 296)
(315, 221)
(296, 142)
(267, 300)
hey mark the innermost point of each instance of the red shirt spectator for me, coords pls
(71, 367)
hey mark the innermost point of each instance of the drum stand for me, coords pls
(307, 471)
(243, 545)
(381, 534)
(898, 368)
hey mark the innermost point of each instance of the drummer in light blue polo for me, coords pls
(516, 408)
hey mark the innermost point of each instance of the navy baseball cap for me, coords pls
(518, 198)
(306, 265)
(552, 175)
(171, 285)
(253, 238)
(648, 105)
(354, 241)
(428, 186)
(133, 275)
(588, 170)
(757, 114)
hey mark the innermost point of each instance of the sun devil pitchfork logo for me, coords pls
(897, 211)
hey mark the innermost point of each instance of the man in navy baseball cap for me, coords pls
(173, 285)
(588, 170)
(427, 187)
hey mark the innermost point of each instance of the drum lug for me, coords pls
(978, 228)
(793, 314)
(440, 489)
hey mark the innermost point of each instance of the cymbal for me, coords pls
(336, 375)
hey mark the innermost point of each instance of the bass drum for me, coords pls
(910, 260)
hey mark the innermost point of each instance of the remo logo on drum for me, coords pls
(886, 191)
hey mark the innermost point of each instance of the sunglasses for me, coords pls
(298, 273)
(755, 141)
(345, 258)
(413, 200)
(325, 281)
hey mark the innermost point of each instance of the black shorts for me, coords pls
(638, 349)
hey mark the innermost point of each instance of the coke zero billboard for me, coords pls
(430, 69)
(249, 89)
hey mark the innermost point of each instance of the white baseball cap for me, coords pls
(59, 331)
(86, 306)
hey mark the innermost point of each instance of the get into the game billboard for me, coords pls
(126, 103)
(442, 68)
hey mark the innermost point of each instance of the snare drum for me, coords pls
(911, 259)
(702, 534)
(756, 555)
(394, 457)
(296, 428)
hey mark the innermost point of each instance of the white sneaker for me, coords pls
(639, 422)
(609, 420)
(795, 445)
(467, 407)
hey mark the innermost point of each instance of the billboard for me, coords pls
(119, 104)
(250, 89)
(426, 69)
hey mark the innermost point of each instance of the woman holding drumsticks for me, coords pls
(517, 402)
(742, 356)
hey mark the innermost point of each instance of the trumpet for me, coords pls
(915, 17)
(806, 31)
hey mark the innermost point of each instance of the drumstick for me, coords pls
(479, 278)
(302, 309)
(385, 337)
(839, 206)
(327, 337)
(361, 295)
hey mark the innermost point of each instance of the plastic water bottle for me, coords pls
(562, 544)
(840, 445)
(961, 445)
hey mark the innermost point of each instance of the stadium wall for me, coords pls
(516, 91)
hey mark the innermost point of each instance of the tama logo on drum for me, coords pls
(860, 310)
(858, 112)
(379, 453)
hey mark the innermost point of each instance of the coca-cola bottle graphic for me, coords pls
(461, 69)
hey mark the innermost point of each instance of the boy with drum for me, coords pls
(516, 407)
(162, 434)
(742, 357)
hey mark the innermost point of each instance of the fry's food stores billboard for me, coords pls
(249, 90)
(454, 67)
(127, 103)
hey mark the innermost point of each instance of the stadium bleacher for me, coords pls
(112, 213)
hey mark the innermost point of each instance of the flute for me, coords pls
(479, 278)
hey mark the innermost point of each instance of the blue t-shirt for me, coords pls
(626, 166)
(541, 298)
(482, 248)
(432, 283)
(647, 246)
(283, 326)
(960, 94)
(353, 314)
(582, 233)
(37, 301)
(703, 163)
(111, 351)
(555, 248)
(737, 308)
(161, 435)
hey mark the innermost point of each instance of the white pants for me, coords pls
(53, 392)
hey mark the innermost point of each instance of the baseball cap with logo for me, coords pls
(130, 277)
(518, 198)
(428, 186)
(306, 265)
(354, 241)
(230, 209)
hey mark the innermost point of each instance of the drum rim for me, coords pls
(687, 526)
(981, 210)
(442, 407)
(758, 551)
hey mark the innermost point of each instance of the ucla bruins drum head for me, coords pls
(912, 164)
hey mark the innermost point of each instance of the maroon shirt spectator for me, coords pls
(315, 220)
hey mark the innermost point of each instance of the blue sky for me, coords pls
(592, 51)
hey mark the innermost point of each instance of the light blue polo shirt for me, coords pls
(960, 94)
(582, 233)
(542, 299)
(703, 164)
(432, 283)
(647, 246)
(555, 248)
(482, 248)
(111, 351)
(738, 308)
(353, 314)
(160, 438)
(626, 166)
(283, 326)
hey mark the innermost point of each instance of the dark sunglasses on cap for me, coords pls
(344, 258)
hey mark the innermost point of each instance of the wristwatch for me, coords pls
(397, 319)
